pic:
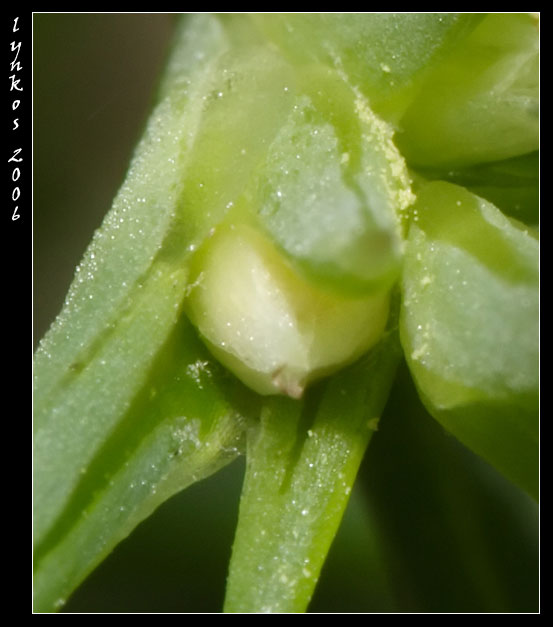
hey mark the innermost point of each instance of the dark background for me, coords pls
(94, 80)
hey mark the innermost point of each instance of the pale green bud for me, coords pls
(274, 330)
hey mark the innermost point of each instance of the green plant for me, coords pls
(346, 163)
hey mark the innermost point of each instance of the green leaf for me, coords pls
(469, 326)
(333, 189)
(313, 166)
(120, 377)
(482, 102)
(512, 185)
(385, 55)
(302, 460)
(184, 424)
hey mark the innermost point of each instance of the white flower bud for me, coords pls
(268, 325)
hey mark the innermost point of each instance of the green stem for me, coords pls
(303, 458)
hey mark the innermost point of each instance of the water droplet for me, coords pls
(186, 435)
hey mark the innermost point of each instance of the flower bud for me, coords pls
(266, 323)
